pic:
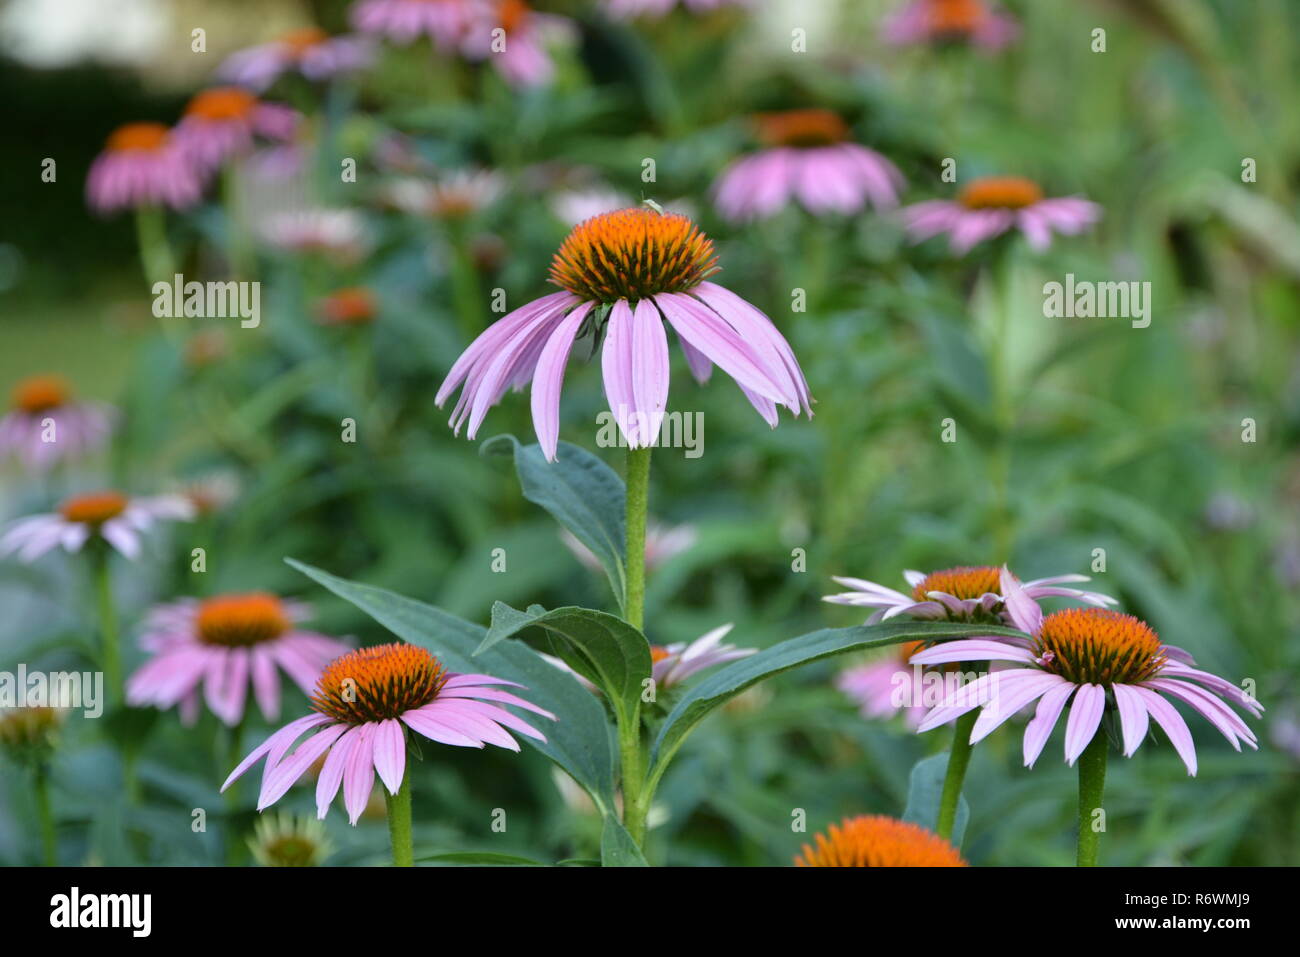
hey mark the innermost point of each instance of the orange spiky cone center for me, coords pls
(633, 254)
(41, 393)
(1000, 192)
(511, 14)
(873, 840)
(94, 508)
(964, 581)
(801, 128)
(240, 621)
(375, 684)
(139, 137)
(955, 17)
(1098, 646)
(222, 103)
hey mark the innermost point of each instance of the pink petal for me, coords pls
(1008, 702)
(1044, 720)
(294, 766)
(359, 774)
(1133, 718)
(549, 377)
(1085, 717)
(389, 741)
(1174, 726)
(285, 737)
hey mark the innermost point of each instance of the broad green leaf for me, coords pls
(925, 788)
(731, 680)
(601, 647)
(581, 740)
(617, 849)
(581, 492)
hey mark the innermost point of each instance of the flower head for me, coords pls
(109, 516)
(991, 206)
(222, 122)
(223, 646)
(142, 165)
(1103, 660)
(353, 306)
(338, 234)
(967, 22)
(807, 157)
(874, 686)
(513, 37)
(364, 703)
(873, 840)
(963, 593)
(28, 735)
(673, 664)
(47, 424)
(445, 22)
(288, 840)
(622, 276)
(309, 51)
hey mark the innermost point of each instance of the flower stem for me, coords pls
(155, 253)
(955, 776)
(110, 652)
(399, 823)
(1092, 782)
(638, 484)
(41, 786)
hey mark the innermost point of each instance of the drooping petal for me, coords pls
(971, 649)
(1133, 718)
(285, 736)
(1085, 718)
(1044, 720)
(389, 740)
(359, 773)
(1023, 610)
(650, 369)
(706, 331)
(331, 772)
(295, 765)
(549, 377)
(1174, 726)
(1007, 702)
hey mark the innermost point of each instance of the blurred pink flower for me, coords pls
(223, 646)
(603, 263)
(309, 51)
(874, 686)
(950, 21)
(513, 37)
(807, 159)
(110, 516)
(444, 21)
(143, 164)
(672, 664)
(989, 207)
(225, 121)
(337, 233)
(47, 425)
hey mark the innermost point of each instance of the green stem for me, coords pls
(234, 846)
(155, 252)
(399, 823)
(638, 484)
(635, 795)
(110, 652)
(955, 776)
(1092, 782)
(467, 294)
(41, 786)
(1003, 410)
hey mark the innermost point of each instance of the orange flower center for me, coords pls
(351, 306)
(955, 17)
(1098, 646)
(659, 653)
(873, 840)
(1000, 192)
(94, 508)
(41, 393)
(378, 683)
(512, 14)
(964, 581)
(138, 136)
(238, 621)
(302, 40)
(27, 727)
(633, 254)
(222, 103)
(801, 128)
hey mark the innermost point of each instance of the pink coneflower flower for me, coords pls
(339, 234)
(672, 664)
(211, 493)
(365, 701)
(626, 9)
(353, 306)
(1103, 660)
(873, 840)
(808, 159)
(444, 21)
(991, 206)
(110, 516)
(513, 37)
(222, 646)
(47, 425)
(662, 542)
(225, 121)
(970, 22)
(143, 164)
(648, 268)
(874, 686)
(309, 51)
(454, 195)
(964, 593)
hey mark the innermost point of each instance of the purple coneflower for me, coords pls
(365, 703)
(970, 22)
(809, 159)
(874, 686)
(110, 516)
(622, 276)
(444, 21)
(513, 37)
(964, 593)
(673, 664)
(143, 164)
(222, 646)
(309, 51)
(225, 121)
(873, 840)
(339, 234)
(993, 205)
(47, 425)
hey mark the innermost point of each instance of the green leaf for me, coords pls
(925, 788)
(481, 859)
(581, 492)
(725, 684)
(617, 849)
(581, 741)
(601, 647)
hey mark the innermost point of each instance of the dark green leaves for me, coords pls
(925, 788)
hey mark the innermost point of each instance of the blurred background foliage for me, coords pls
(1088, 434)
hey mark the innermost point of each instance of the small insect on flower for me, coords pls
(220, 647)
(622, 276)
(991, 206)
(951, 22)
(445, 22)
(108, 516)
(143, 164)
(308, 51)
(873, 840)
(225, 122)
(807, 158)
(365, 701)
(47, 424)
(1102, 659)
